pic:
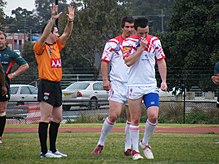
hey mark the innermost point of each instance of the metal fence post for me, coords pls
(184, 104)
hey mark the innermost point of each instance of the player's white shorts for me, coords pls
(136, 92)
(118, 92)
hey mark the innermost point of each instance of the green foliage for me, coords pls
(197, 118)
(171, 112)
(153, 10)
(95, 23)
(195, 25)
(22, 21)
(90, 118)
(200, 116)
(31, 73)
(2, 19)
(192, 41)
(43, 8)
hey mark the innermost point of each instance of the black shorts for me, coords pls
(50, 92)
(7, 96)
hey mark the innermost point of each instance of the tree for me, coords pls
(2, 19)
(43, 8)
(192, 43)
(28, 54)
(157, 12)
(95, 23)
(22, 20)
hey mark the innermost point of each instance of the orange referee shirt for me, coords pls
(49, 60)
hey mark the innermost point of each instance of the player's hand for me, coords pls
(143, 42)
(71, 13)
(54, 11)
(163, 86)
(11, 76)
(106, 85)
(215, 79)
(4, 90)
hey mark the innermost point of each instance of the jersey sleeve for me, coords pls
(108, 52)
(60, 45)
(159, 53)
(38, 48)
(19, 59)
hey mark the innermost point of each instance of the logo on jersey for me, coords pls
(127, 49)
(50, 51)
(5, 55)
(56, 63)
(117, 49)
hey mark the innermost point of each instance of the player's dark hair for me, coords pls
(44, 26)
(127, 19)
(3, 33)
(140, 22)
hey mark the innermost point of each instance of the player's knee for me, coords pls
(46, 118)
(2, 109)
(136, 119)
(57, 120)
(153, 118)
(136, 122)
(113, 118)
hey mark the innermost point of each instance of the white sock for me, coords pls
(134, 132)
(106, 128)
(128, 142)
(149, 129)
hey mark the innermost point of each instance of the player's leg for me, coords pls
(114, 112)
(45, 98)
(115, 107)
(55, 98)
(135, 111)
(135, 95)
(151, 101)
(46, 114)
(3, 108)
(128, 143)
(53, 130)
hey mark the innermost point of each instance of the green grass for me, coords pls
(117, 125)
(168, 148)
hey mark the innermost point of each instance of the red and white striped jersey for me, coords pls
(113, 54)
(142, 72)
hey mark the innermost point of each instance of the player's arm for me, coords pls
(68, 28)
(2, 81)
(131, 59)
(162, 68)
(49, 25)
(104, 71)
(19, 71)
(215, 79)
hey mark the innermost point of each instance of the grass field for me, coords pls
(168, 148)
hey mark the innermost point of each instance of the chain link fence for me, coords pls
(171, 111)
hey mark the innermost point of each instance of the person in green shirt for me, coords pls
(8, 58)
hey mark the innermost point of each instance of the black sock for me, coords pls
(53, 132)
(42, 131)
(2, 125)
